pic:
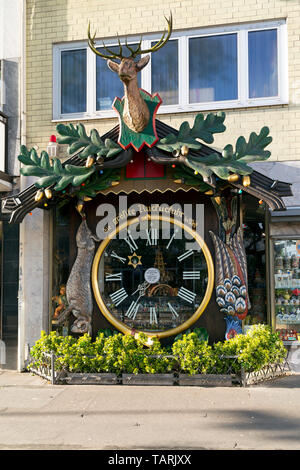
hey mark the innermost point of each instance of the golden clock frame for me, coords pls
(159, 334)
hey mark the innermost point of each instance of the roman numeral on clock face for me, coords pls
(131, 243)
(118, 296)
(191, 274)
(153, 315)
(132, 310)
(174, 313)
(185, 255)
(113, 277)
(114, 255)
(186, 295)
(152, 236)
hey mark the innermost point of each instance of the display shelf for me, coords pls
(287, 287)
(287, 305)
(291, 342)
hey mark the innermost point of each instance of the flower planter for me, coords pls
(148, 379)
(205, 380)
(78, 378)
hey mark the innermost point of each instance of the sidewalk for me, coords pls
(36, 415)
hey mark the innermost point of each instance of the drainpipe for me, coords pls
(21, 298)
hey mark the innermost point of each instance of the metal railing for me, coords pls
(49, 371)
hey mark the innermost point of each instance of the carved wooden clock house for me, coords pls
(163, 281)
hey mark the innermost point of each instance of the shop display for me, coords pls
(60, 300)
(287, 292)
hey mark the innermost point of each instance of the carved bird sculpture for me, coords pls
(231, 281)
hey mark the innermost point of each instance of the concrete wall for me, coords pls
(10, 85)
(55, 21)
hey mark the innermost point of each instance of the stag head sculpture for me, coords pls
(136, 114)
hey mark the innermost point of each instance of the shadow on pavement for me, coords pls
(289, 381)
(280, 426)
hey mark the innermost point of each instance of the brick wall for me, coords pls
(54, 21)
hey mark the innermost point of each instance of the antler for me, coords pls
(163, 40)
(113, 55)
(133, 52)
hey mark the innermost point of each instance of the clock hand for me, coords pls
(134, 306)
(142, 288)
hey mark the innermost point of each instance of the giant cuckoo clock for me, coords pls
(95, 164)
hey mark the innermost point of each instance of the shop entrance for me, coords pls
(9, 266)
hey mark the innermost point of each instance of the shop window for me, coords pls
(197, 70)
(287, 288)
(263, 63)
(213, 77)
(255, 246)
(164, 73)
(61, 265)
(73, 81)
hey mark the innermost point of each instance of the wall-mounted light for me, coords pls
(52, 147)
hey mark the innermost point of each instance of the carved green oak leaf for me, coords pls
(203, 129)
(78, 140)
(222, 165)
(236, 161)
(51, 174)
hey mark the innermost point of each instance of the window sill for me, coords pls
(175, 109)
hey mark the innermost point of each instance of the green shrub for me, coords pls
(258, 348)
(59, 345)
(155, 360)
(127, 354)
(194, 355)
(118, 353)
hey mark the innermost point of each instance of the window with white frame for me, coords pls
(197, 70)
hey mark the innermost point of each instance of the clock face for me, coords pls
(151, 278)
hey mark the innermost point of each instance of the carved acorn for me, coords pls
(233, 178)
(48, 193)
(246, 181)
(89, 162)
(184, 150)
(39, 195)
